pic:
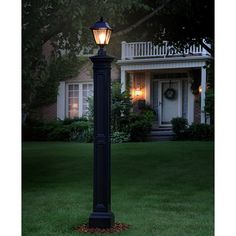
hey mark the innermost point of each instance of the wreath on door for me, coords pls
(170, 93)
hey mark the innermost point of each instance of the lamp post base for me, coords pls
(101, 220)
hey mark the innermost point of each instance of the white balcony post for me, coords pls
(123, 80)
(123, 45)
(203, 94)
(204, 51)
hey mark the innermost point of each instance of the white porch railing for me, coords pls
(148, 49)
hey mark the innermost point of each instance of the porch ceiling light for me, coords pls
(101, 32)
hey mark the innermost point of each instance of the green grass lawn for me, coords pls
(159, 188)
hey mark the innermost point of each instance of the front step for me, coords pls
(160, 134)
(161, 128)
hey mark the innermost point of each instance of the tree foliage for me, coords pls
(210, 93)
(65, 24)
(186, 22)
(181, 23)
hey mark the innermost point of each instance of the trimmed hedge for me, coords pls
(69, 130)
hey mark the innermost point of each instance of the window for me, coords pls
(78, 95)
(73, 100)
(87, 92)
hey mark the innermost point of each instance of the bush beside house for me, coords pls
(68, 130)
(183, 131)
(125, 125)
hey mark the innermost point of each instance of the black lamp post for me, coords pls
(102, 217)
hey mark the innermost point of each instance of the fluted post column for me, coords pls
(102, 216)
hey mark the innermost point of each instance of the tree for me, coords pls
(43, 21)
(65, 24)
(181, 23)
(210, 93)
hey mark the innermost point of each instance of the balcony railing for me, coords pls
(148, 49)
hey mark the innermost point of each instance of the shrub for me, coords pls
(61, 133)
(119, 137)
(38, 131)
(148, 115)
(81, 131)
(87, 135)
(70, 130)
(68, 121)
(193, 132)
(179, 126)
(120, 106)
(139, 128)
(148, 108)
(201, 132)
(90, 113)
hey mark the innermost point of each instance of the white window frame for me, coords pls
(81, 100)
(80, 84)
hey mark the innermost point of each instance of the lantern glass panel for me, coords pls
(102, 36)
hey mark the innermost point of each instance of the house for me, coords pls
(165, 79)
(173, 83)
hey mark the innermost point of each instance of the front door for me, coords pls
(169, 101)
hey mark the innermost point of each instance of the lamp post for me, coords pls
(101, 217)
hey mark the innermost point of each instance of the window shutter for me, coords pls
(61, 101)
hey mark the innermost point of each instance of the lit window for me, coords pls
(78, 99)
(73, 100)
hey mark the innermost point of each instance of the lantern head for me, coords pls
(101, 32)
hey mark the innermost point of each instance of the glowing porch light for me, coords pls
(138, 92)
(200, 89)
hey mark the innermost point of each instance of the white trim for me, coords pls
(190, 102)
(123, 43)
(123, 80)
(67, 98)
(80, 99)
(157, 66)
(147, 87)
(181, 97)
(61, 101)
(164, 60)
(80, 84)
(159, 102)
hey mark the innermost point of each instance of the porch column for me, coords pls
(123, 80)
(203, 94)
(147, 87)
(123, 43)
